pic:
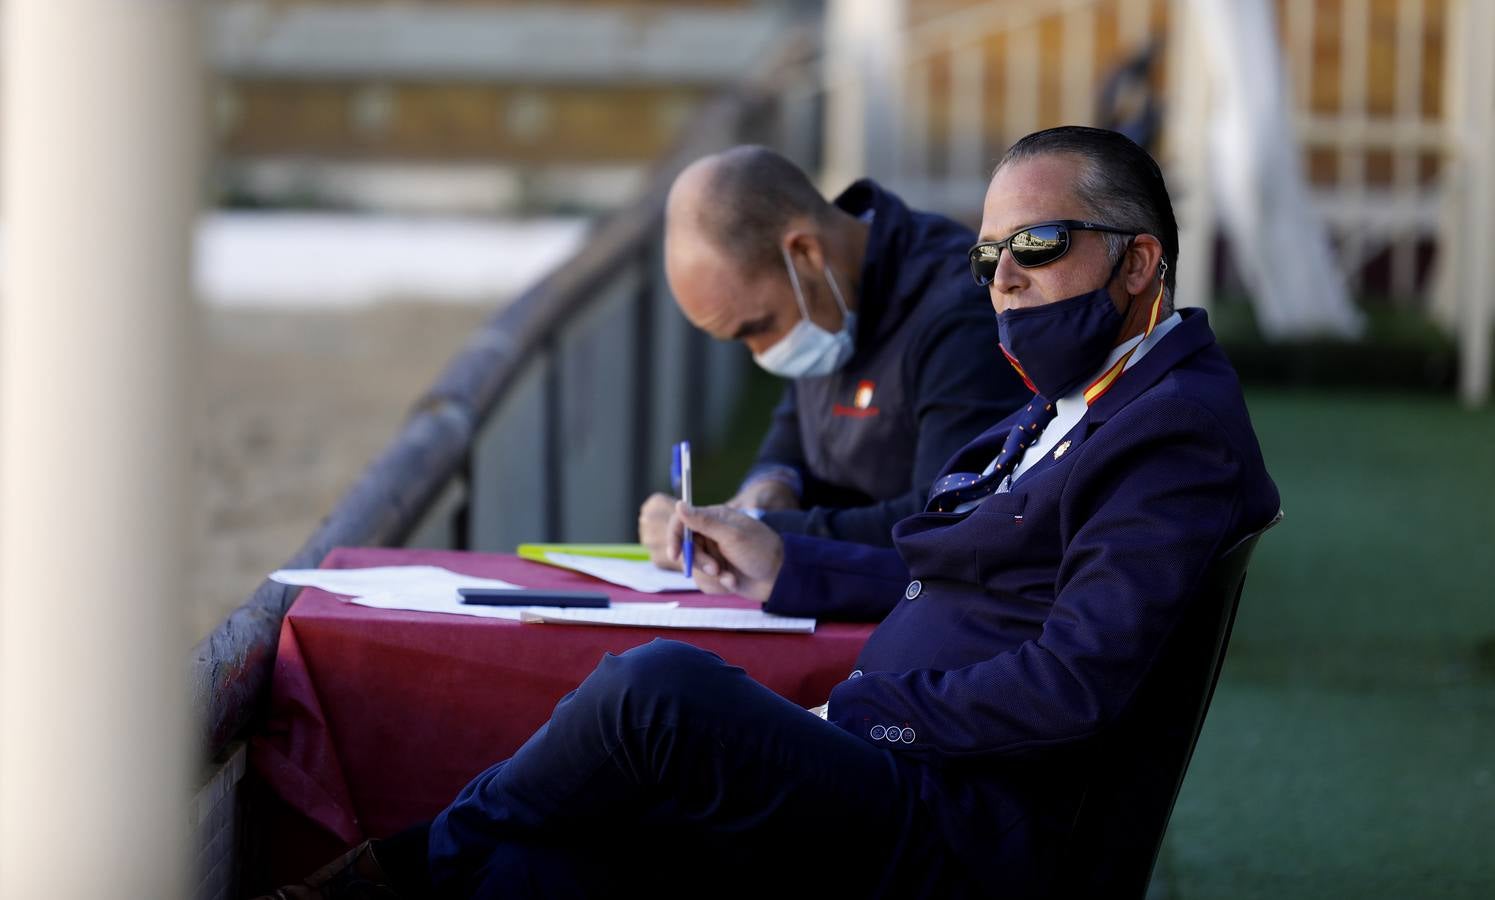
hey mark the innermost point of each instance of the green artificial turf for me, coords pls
(1350, 750)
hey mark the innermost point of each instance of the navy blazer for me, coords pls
(1016, 631)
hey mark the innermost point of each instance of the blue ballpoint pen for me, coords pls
(682, 454)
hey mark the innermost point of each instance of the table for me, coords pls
(378, 717)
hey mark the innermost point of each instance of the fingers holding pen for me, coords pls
(744, 556)
(709, 558)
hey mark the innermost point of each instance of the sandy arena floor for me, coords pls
(291, 407)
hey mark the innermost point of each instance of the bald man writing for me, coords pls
(865, 308)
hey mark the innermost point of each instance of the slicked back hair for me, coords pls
(753, 194)
(1119, 185)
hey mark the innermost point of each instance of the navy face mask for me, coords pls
(1055, 347)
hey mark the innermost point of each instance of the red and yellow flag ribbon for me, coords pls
(1018, 366)
(1099, 386)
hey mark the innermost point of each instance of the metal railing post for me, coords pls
(552, 416)
(641, 426)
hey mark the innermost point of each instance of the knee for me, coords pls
(661, 665)
(658, 669)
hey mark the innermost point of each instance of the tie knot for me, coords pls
(957, 488)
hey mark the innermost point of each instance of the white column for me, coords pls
(864, 67)
(100, 183)
(1188, 155)
(1263, 200)
(1354, 90)
(1475, 107)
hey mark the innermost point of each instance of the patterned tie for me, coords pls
(962, 487)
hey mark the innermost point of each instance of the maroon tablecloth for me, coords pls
(378, 717)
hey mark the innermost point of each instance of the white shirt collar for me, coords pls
(1075, 399)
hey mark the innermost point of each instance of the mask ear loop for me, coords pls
(830, 279)
(799, 297)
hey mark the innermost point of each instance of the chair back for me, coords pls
(1139, 764)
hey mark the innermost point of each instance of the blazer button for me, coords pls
(914, 589)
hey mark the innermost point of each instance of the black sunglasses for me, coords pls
(1036, 245)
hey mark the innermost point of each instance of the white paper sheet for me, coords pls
(417, 588)
(386, 579)
(634, 614)
(634, 574)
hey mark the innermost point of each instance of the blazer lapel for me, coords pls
(1186, 339)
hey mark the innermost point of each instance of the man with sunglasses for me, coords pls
(862, 305)
(1029, 602)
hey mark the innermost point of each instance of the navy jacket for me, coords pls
(925, 377)
(1015, 632)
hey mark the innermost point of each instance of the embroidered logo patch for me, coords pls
(861, 402)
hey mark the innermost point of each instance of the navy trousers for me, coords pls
(669, 772)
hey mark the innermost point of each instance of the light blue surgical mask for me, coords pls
(809, 350)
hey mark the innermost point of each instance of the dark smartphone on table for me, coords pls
(476, 596)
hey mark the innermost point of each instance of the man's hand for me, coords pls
(765, 493)
(654, 521)
(741, 555)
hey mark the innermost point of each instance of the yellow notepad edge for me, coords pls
(537, 552)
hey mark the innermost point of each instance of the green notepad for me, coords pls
(537, 552)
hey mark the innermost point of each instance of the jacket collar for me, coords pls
(1189, 337)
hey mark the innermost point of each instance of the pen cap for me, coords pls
(679, 463)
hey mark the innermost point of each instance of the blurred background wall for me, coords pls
(492, 107)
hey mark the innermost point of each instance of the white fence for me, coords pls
(1393, 104)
